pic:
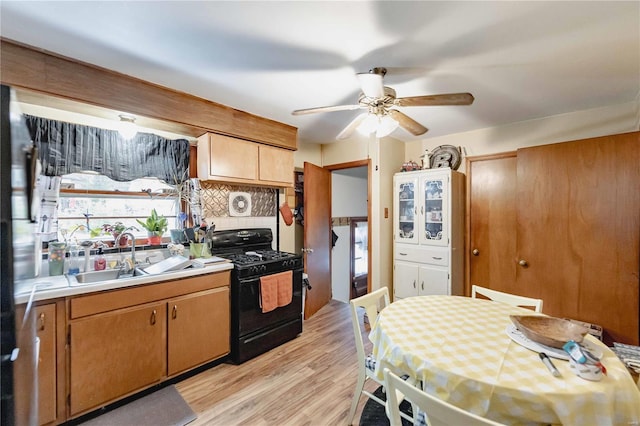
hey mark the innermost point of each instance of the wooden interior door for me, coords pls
(198, 329)
(578, 231)
(492, 222)
(317, 237)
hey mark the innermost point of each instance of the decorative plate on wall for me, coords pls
(445, 156)
(239, 204)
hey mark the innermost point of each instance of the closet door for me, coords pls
(492, 221)
(578, 231)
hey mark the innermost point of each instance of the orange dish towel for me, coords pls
(276, 290)
(285, 288)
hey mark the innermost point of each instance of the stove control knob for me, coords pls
(263, 268)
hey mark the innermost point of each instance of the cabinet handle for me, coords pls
(42, 321)
(475, 252)
(421, 210)
(414, 283)
(436, 258)
(422, 285)
(523, 263)
(415, 210)
(174, 312)
(153, 317)
(402, 254)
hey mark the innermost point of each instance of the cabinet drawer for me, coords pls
(430, 255)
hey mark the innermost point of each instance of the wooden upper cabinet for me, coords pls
(275, 165)
(227, 159)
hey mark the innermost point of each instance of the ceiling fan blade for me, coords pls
(326, 109)
(351, 126)
(408, 123)
(432, 100)
(371, 84)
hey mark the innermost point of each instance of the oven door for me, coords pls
(250, 316)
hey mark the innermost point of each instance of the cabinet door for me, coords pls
(198, 329)
(492, 223)
(405, 279)
(231, 158)
(46, 331)
(275, 165)
(116, 353)
(433, 280)
(405, 209)
(434, 212)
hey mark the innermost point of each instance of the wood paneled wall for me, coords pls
(68, 79)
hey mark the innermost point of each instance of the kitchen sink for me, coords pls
(106, 275)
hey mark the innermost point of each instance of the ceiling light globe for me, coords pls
(386, 127)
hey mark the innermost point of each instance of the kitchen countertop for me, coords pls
(46, 287)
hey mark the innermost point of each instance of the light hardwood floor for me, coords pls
(307, 381)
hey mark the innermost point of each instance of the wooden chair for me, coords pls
(428, 409)
(366, 363)
(510, 299)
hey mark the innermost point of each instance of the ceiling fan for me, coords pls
(380, 100)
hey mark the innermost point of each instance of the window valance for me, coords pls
(65, 148)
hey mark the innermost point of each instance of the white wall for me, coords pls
(388, 155)
(348, 199)
(558, 128)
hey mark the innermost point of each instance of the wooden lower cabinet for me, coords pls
(47, 360)
(116, 353)
(123, 341)
(197, 333)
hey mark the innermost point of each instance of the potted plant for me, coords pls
(155, 225)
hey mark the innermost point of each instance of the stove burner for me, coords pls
(256, 256)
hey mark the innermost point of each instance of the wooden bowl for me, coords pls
(549, 331)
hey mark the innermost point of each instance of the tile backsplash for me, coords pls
(215, 206)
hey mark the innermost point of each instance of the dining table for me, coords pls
(460, 350)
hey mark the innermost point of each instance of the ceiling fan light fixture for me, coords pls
(127, 127)
(386, 126)
(369, 125)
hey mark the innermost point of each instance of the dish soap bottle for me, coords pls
(99, 263)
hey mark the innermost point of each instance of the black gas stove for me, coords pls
(253, 331)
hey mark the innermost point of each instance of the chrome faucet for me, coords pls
(133, 246)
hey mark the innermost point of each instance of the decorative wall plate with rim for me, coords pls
(445, 156)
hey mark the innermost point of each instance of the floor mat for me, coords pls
(164, 407)
(373, 414)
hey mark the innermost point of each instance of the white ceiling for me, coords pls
(521, 60)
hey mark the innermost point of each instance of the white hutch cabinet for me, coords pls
(428, 215)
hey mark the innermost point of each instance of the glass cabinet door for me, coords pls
(406, 211)
(435, 228)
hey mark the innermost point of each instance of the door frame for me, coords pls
(351, 165)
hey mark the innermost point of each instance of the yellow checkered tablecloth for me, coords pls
(459, 348)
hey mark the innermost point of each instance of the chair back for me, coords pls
(370, 302)
(436, 411)
(510, 299)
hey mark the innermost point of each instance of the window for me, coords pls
(93, 200)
